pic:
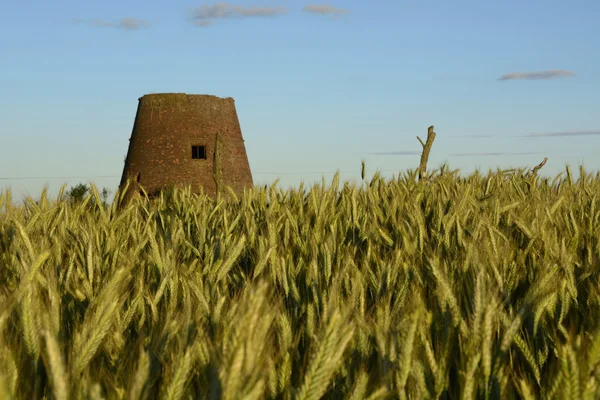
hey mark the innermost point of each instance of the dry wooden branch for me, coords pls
(535, 170)
(425, 154)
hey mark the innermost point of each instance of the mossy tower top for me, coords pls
(174, 140)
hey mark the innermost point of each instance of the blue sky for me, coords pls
(317, 86)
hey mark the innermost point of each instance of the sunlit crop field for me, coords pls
(479, 287)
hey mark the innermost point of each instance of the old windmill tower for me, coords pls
(180, 140)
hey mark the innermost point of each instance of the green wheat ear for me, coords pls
(478, 287)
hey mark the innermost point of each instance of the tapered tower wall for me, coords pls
(171, 134)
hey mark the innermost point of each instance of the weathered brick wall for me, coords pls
(167, 125)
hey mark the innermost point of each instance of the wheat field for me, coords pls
(482, 287)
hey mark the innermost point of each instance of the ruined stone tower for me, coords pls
(174, 140)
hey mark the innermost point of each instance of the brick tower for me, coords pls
(180, 139)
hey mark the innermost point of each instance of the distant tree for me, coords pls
(105, 193)
(78, 192)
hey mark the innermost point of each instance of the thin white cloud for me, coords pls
(565, 133)
(394, 153)
(129, 24)
(474, 136)
(474, 154)
(203, 22)
(494, 154)
(324, 9)
(538, 75)
(205, 15)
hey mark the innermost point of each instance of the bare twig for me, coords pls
(425, 154)
(535, 169)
